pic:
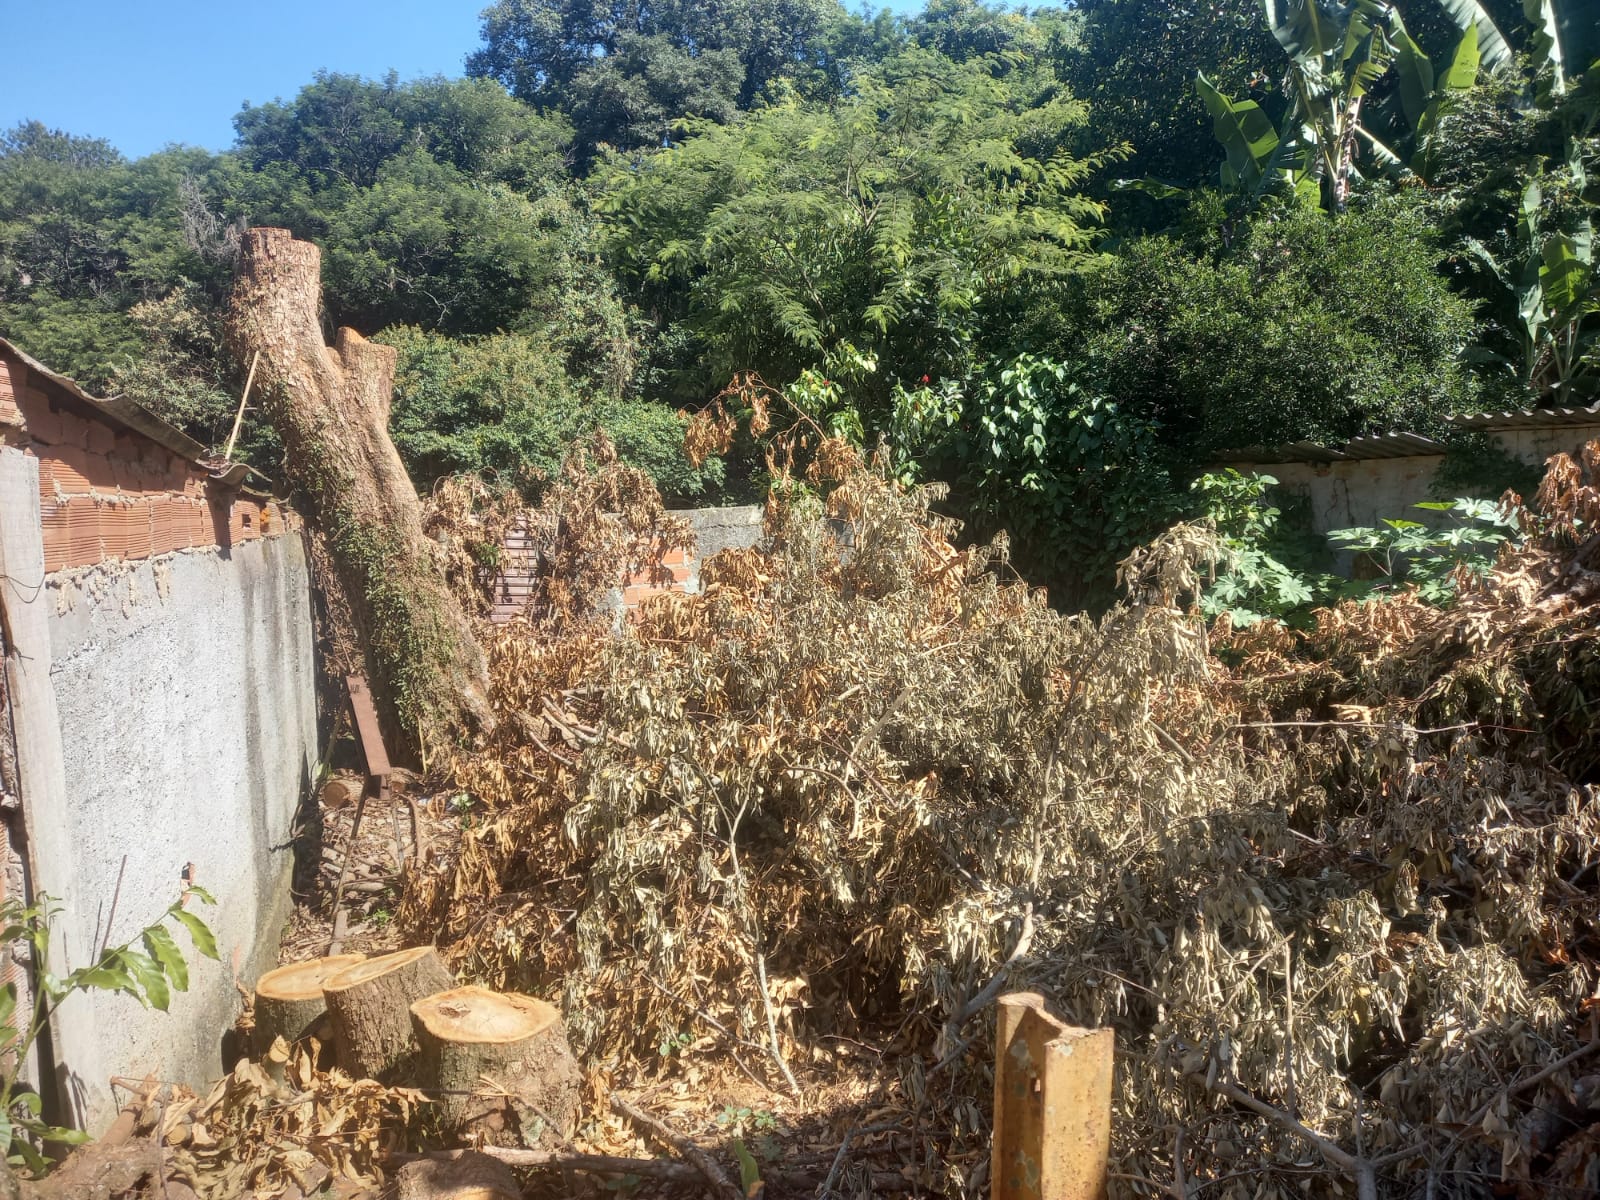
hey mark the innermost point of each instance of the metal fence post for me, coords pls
(1052, 1105)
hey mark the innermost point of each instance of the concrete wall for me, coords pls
(160, 675)
(185, 692)
(1365, 492)
(715, 529)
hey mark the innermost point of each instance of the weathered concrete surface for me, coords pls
(717, 529)
(184, 689)
(1367, 491)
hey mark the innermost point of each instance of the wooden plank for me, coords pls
(367, 731)
(1052, 1105)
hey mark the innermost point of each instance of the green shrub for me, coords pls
(1289, 326)
(503, 405)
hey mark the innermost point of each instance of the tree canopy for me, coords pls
(1176, 227)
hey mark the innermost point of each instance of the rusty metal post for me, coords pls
(1052, 1105)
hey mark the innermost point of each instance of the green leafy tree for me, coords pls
(1286, 326)
(85, 236)
(1075, 479)
(627, 72)
(886, 228)
(503, 406)
(1135, 61)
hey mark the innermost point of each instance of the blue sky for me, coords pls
(143, 73)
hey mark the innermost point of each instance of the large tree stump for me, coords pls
(466, 1176)
(370, 1004)
(330, 405)
(501, 1066)
(289, 1000)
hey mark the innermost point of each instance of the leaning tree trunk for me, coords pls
(330, 405)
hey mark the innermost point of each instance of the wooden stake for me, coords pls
(227, 452)
(1052, 1105)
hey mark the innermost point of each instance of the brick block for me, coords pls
(102, 438)
(68, 467)
(71, 534)
(74, 428)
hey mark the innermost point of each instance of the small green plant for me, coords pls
(150, 975)
(1255, 583)
(380, 917)
(676, 1043)
(1427, 558)
(739, 1120)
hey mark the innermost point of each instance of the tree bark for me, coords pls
(466, 1177)
(330, 405)
(289, 1000)
(500, 1064)
(370, 1004)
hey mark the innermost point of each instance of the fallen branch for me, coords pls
(593, 1164)
(708, 1170)
(954, 1043)
(661, 1169)
(1362, 1170)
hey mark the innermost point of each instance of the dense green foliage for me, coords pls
(503, 406)
(1055, 258)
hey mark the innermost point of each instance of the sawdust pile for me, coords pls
(1337, 892)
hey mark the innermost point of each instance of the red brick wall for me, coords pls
(670, 571)
(109, 494)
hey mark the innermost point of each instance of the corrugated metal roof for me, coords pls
(131, 415)
(1527, 418)
(1391, 445)
(1414, 445)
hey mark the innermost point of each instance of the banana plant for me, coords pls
(1427, 98)
(1556, 291)
(1338, 50)
(1566, 40)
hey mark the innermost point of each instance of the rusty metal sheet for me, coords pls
(367, 730)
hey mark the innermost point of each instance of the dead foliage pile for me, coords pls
(283, 1127)
(1338, 900)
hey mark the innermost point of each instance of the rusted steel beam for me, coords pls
(1052, 1105)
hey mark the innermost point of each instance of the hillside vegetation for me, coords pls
(1056, 257)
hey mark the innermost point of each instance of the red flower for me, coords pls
(926, 379)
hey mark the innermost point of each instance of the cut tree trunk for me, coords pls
(370, 1004)
(467, 1176)
(501, 1066)
(330, 405)
(289, 1000)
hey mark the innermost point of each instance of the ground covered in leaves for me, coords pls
(777, 846)
(1336, 892)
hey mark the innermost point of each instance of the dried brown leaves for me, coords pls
(1354, 875)
(252, 1135)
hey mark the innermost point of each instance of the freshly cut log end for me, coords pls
(289, 999)
(477, 1015)
(466, 1176)
(370, 1005)
(501, 1065)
